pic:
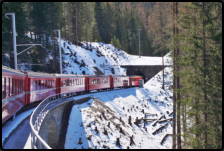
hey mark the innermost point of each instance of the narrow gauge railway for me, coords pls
(22, 90)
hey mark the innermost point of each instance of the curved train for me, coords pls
(20, 90)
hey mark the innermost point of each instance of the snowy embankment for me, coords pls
(111, 103)
(101, 54)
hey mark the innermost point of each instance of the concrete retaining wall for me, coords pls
(51, 127)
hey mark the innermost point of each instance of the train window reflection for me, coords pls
(31, 84)
(42, 84)
(7, 87)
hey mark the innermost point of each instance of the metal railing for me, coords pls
(40, 113)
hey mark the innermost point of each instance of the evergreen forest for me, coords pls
(191, 31)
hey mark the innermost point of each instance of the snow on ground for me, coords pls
(101, 54)
(112, 103)
(9, 126)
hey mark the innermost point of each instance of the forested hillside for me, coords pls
(116, 23)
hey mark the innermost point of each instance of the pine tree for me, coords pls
(200, 24)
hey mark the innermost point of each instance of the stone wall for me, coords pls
(52, 126)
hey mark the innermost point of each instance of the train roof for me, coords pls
(69, 75)
(135, 76)
(119, 76)
(41, 74)
(94, 76)
(13, 71)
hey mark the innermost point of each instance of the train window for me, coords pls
(45, 86)
(52, 83)
(7, 87)
(17, 81)
(70, 82)
(10, 82)
(42, 84)
(31, 85)
(3, 88)
(17, 85)
(64, 84)
(67, 82)
(35, 87)
(80, 81)
(15, 88)
(20, 85)
(39, 84)
(13, 85)
(49, 84)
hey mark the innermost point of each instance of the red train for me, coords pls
(22, 90)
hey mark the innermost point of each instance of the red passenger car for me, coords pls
(134, 80)
(71, 83)
(40, 86)
(13, 92)
(119, 81)
(98, 82)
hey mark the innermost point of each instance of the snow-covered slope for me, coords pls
(151, 98)
(102, 54)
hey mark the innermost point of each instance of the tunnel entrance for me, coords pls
(141, 74)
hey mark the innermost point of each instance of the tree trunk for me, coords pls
(178, 87)
(76, 24)
(90, 23)
(174, 84)
(68, 22)
(205, 93)
(65, 21)
(86, 22)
